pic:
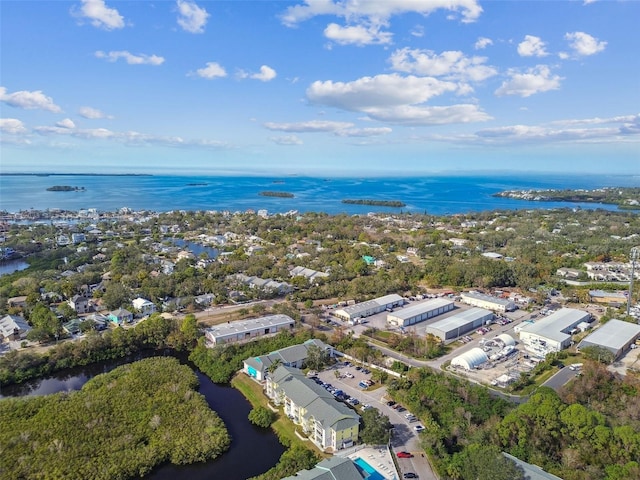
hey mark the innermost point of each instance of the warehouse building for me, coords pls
(460, 324)
(487, 301)
(420, 312)
(471, 359)
(240, 330)
(553, 333)
(368, 308)
(615, 335)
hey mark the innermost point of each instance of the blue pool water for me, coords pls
(373, 474)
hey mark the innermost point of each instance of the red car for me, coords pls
(405, 455)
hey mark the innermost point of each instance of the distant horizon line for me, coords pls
(343, 174)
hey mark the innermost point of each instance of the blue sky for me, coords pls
(322, 87)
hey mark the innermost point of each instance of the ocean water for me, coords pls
(438, 195)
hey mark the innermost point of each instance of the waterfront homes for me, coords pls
(144, 306)
(489, 302)
(329, 424)
(293, 356)
(13, 327)
(370, 307)
(240, 330)
(553, 333)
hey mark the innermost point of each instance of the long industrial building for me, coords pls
(487, 301)
(368, 308)
(420, 312)
(615, 335)
(247, 329)
(459, 324)
(552, 333)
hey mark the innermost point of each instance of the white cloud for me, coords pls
(482, 43)
(379, 91)
(130, 58)
(377, 13)
(12, 126)
(532, 46)
(99, 14)
(287, 140)
(614, 130)
(417, 31)
(66, 123)
(584, 44)
(451, 64)
(191, 17)
(427, 115)
(210, 71)
(396, 99)
(311, 126)
(535, 80)
(92, 113)
(266, 74)
(130, 138)
(364, 132)
(35, 100)
(357, 35)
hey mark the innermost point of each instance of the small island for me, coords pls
(623, 197)
(65, 188)
(277, 194)
(377, 203)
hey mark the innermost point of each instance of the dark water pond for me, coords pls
(195, 248)
(10, 266)
(253, 450)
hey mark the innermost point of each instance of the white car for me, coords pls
(418, 428)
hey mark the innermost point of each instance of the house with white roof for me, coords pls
(144, 306)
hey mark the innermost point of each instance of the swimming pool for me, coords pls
(373, 474)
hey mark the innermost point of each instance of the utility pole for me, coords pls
(633, 256)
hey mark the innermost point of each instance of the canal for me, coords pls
(253, 450)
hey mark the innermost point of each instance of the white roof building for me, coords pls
(460, 324)
(370, 307)
(615, 335)
(420, 312)
(247, 329)
(551, 334)
(471, 359)
(487, 301)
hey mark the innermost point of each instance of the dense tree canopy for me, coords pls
(126, 422)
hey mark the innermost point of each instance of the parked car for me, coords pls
(410, 475)
(418, 428)
(404, 455)
(390, 403)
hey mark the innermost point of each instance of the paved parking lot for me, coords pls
(404, 437)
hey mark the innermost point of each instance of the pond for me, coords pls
(196, 248)
(253, 450)
(10, 266)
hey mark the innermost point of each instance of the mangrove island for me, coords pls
(377, 203)
(277, 194)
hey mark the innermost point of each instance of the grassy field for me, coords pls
(283, 427)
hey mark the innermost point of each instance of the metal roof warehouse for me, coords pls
(615, 335)
(247, 329)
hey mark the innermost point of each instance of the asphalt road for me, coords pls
(560, 378)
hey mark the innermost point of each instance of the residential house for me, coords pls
(293, 356)
(329, 424)
(79, 303)
(13, 327)
(144, 306)
(120, 316)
